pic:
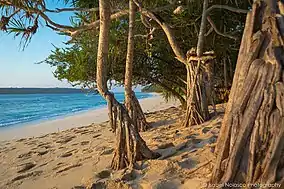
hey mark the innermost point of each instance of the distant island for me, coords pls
(41, 90)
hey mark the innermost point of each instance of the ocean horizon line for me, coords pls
(26, 109)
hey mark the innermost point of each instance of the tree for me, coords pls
(197, 100)
(155, 56)
(130, 146)
(250, 148)
(131, 103)
(160, 62)
(197, 97)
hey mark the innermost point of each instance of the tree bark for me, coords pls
(130, 146)
(225, 73)
(197, 101)
(132, 104)
(201, 38)
(250, 148)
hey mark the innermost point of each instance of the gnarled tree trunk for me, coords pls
(131, 102)
(197, 106)
(194, 114)
(130, 146)
(199, 89)
(197, 103)
(250, 147)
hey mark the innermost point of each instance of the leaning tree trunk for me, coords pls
(250, 148)
(130, 146)
(131, 102)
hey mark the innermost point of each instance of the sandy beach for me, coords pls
(76, 151)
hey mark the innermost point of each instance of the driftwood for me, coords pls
(250, 148)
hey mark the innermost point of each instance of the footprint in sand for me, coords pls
(26, 175)
(107, 151)
(103, 174)
(41, 165)
(69, 167)
(164, 184)
(44, 144)
(165, 145)
(68, 153)
(26, 155)
(82, 132)
(188, 163)
(100, 148)
(97, 135)
(21, 140)
(58, 166)
(25, 167)
(65, 140)
(42, 152)
(43, 136)
(87, 150)
(85, 142)
(7, 149)
(31, 143)
(78, 187)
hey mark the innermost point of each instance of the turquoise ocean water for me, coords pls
(17, 109)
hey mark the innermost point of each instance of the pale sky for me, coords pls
(18, 68)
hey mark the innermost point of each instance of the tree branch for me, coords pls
(56, 25)
(202, 31)
(232, 9)
(97, 23)
(58, 10)
(15, 12)
(39, 12)
(167, 30)
(112, 17)
(72, 31)
(217, 31)
(6, 2)
(209, 31)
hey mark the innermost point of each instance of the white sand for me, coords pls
(82, 156)
(81, 119)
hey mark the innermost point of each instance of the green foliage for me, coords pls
(166, 94)
(154, 61)
(152, 89)
(76, 63)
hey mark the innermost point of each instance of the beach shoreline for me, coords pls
(81, 156)
(96, 116)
